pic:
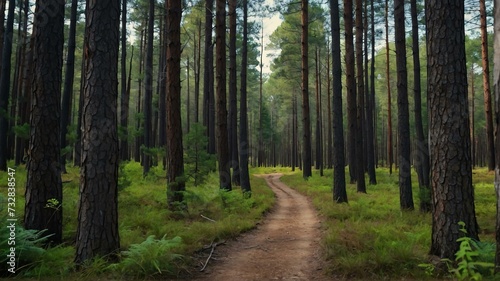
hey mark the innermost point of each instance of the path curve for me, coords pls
(285, 246)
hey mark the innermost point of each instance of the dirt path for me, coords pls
(284, 247)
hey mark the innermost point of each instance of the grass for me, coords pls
(144, 221)
(370, 237)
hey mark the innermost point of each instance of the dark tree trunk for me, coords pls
(370, 105)
(389, 103)
(244, 145)
(351, 90)
(233, 107)
(68, 81)
(451, 174)
(260, 144)
(339, 184)
(125, 99)
(306, 120)
(5, 85)
(148, 93)
(422, 147)
(360, 165)
(197, 64)
(162, 89)
(175, 157)
(405, 191)
(139, 139)
(317, 138)
(329, 139)
(78, 144)
(208, 79)
(496, 88)
(44, 169)
(222, 134)
(97, 233)
(490, 143)
(2, 29)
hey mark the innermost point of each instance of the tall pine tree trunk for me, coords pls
(148, 93)
(233, 108)
(360, 165)
(208, 79)
(351, 90)
(44, 169)
(390, 154)
(496, 89)
(306, 119)
(124, 98)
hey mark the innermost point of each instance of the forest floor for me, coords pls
(285, 246)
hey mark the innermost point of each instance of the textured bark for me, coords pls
(233, 108)
(124, 98)
(44, 170)
(451, 174)
(244, 144)
(370, 106)
(339, 184)
(360, 91)
(5, 84)
(317, 136)
(222, 133)
(329, 130)
(197, 67)
(405, 191)
(490, 143)
(148, 92)
(422, 148)
(496, 88)
(306, 119)
(2, 28)
(390, 154)
(68, 81)
(208, 79)
(351, 90)
(97, 233)
(175, 158)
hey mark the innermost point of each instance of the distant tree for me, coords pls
(222, 134)
(148, 93)
(405, 190)
(5, 84)
(244, 144)
(389, 103)
(370, 104)
(198, 162)
(175, 154)
(208, 79)
(43, 207)
(124, 97)
(360, 91)
(339, 184)
(451, 172)
(97, 233)
(306, 119)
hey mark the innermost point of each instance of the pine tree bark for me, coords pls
(233, 108)
(370, 106)
(222, 133)
(339, 184)
(148, 92)
(405, 189)
(451, 173)
(306, 119)
(390, 153)
(124, 98)
(97, 233)
(496, 89)
(2, 29)
(360, 165)
(208, 79)
(175, 156)
(44, 170)
(5, 84)
(490, 142)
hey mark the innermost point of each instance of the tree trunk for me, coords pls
(43, 186)
(5, 85)
(260, 144)
(148, 93)
(2, 29)
(496, 88)
(125, 99)
(68, 81)
(490, 143)
(351, 90)
(306, 120)
(317, 137)
(208, 79)
(405, 190)
(360, 167)
(451, 174)
(244, 144)
(233, 107)
(222, 134)
(389, 103)
(97, 233)
(175, 157)
(197, 68)
(139, 139)
(370, 105)
(329, 139)
(339, 184)
(422, 147)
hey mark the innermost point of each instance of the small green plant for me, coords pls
(53, 203)
(151, 257)
(198, 162)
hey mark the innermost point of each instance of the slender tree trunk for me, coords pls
(208, 79)
(306, 120)
(125, 99)
(97, 233)
(68, 81)
(233, 107)
(422, 147)
(162, 88)
(389, 103)
(188, 97)
(339, 184)
(317, 137)
(44, 169)
(2, 29)
(197, 64)
(496, 89)
(260, 149)
(451, 173)
(175, 158)
(351, 90)
(360, 167)
(370, 105)
(329, 139)
(244, 144)
(139, 139)
(5, 85)
(148, 93)
(405, 189)
(222, 134)
(490, 143)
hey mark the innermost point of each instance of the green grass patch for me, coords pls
(370, 237)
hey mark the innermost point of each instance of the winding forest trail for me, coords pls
(285, 246)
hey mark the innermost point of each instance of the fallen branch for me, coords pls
(207, 218)
(211, 253)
